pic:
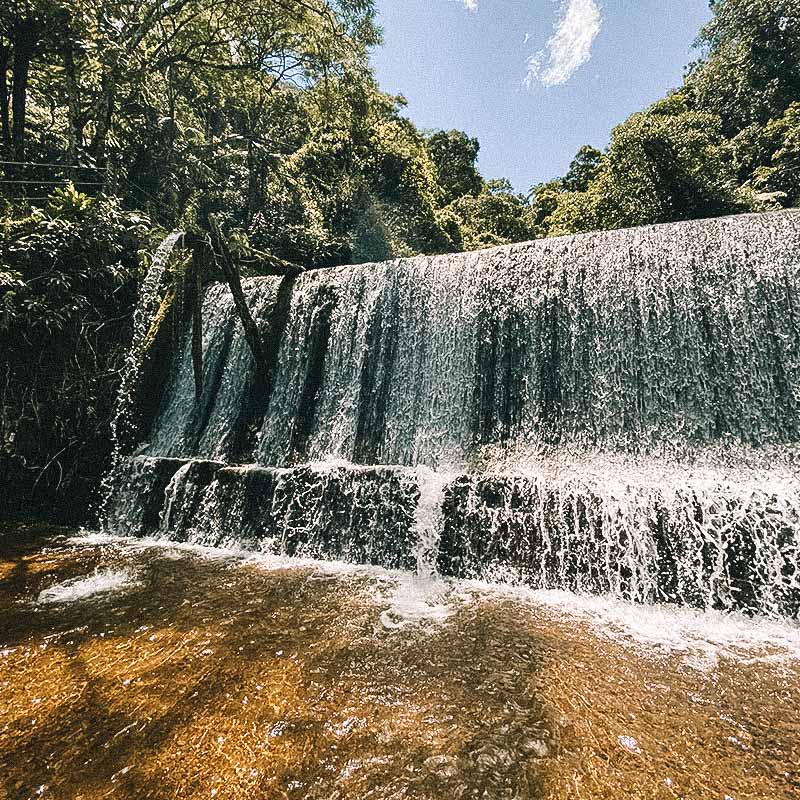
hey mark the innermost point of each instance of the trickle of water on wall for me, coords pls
(539, 412)
(143, 317)
(428, 520)
(212, 426)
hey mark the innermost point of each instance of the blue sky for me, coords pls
(533, 79)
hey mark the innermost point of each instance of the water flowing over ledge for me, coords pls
(612, 413)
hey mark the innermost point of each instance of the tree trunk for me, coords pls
(5, 114)
(108, 97)
(73, 105)
(26, 34)
(251, 332)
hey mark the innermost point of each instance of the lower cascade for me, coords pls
(613, 413)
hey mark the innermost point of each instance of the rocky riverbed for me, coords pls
(143, 669)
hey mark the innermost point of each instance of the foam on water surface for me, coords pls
(100, 583)
(402, 599)
(700, 637)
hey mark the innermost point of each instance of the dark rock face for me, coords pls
(138, 486)
(615, 412)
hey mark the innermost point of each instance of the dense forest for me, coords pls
(123, 119)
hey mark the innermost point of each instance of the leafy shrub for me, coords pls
(67, 288)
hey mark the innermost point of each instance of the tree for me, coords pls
(583, 169)
(23, 30)
(575, 212)
(750, 69)
(781, 141)
(544, 201)
(455, 156)
(357, 184)
(569, 204)
(67, 287)
(665, 164)
(128, 74)
(496, 216)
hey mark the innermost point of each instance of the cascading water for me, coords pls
(119, 483)
(143, 317)
(615, 412)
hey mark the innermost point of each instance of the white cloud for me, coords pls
(570, 46)
(470, 5)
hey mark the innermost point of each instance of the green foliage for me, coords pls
(66, 293)
(750, 72)
(351, 173)
(372, 239)
(261, 110)
(455, 156)
(569, 205)
(781, 175)
(575, 212)
(69, 203)
(405, 177)
(665, 164)
(72, 261)
(545, 198)
(495, 216)
(583, 170)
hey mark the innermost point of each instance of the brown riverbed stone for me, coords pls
(217, 678)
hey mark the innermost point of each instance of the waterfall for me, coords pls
(143, 317)
(614, 412)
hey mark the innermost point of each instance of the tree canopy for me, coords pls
(264, 110)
